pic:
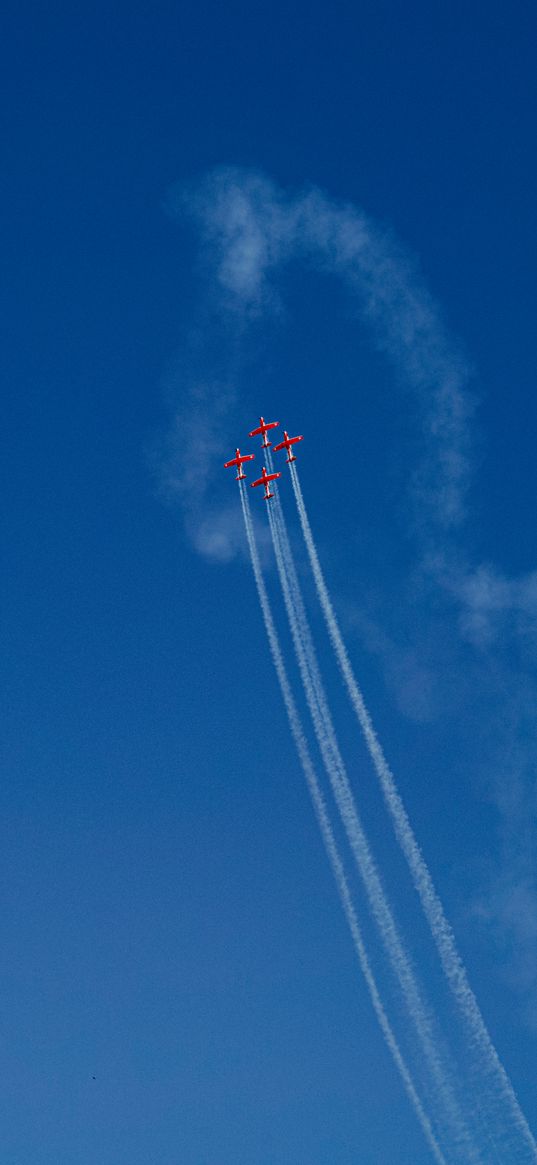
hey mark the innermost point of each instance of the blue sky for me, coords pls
(169, 925)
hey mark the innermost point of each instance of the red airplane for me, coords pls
(286, 444)
(262, 431)
(238, 460)
(264, 480)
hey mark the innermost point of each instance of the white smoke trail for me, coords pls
(491, 1066)
(329, 840)
(335, 768)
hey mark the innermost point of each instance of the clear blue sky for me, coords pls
(177, 984)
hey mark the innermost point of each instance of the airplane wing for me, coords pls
(287, 443)
(266, 477)
(238, 459)
(263, 427)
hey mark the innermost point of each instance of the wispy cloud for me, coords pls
(251, 229)
(494, 605)
(186, 460)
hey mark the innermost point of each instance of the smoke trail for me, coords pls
(454, 970)
(329, 840)
(334, 765)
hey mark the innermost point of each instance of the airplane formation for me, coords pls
(261, 431)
